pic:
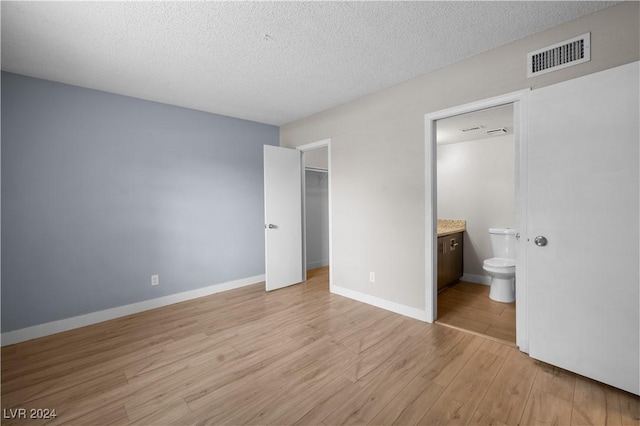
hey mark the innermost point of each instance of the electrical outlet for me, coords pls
(155, 279)
(372, 277)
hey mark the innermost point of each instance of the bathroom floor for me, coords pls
(467, 306)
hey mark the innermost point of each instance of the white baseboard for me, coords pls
(478, 279)
(318, 264)
(408, 311)
(41, 330)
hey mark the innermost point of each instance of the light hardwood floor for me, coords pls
(299, 355)
(467, 306)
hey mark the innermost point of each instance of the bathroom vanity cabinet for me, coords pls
(449, 259)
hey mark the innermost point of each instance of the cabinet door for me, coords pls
(442, 263)
(455, 255)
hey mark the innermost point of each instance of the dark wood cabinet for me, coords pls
(449, 259)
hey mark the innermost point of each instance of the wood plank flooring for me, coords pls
(467, 306)
(299, 355)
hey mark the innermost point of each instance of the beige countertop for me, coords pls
(451, 226)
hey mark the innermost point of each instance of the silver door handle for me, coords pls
(270, 226)
(540, 241)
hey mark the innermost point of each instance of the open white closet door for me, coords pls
(583, 226)
(283, 217)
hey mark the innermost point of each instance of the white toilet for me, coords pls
(502, 266)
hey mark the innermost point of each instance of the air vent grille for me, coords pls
(560, 55)
(497, 131)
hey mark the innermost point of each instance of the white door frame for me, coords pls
(519, 100)
(305, 148)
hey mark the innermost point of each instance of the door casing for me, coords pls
(304, 148)
(519, 100)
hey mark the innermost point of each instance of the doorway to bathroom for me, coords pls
(515, 105)
(475, 174)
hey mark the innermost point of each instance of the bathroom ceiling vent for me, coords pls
(470, 129)
(560, 55)
(499, 131)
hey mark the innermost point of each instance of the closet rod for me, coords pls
(316, 169)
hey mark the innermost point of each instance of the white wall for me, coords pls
(317, 215)
(317, 158)
(476, 183)
(378, 160)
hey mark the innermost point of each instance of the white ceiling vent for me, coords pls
(498, 131)
(560, 55)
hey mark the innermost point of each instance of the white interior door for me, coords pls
(283, 217)
(583, 196)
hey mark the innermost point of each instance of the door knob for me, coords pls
(270, 226)
(540, 241)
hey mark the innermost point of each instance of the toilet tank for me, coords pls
(503, 242)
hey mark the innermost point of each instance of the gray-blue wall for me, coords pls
(100, 191)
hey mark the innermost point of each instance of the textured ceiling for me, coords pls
(272, 62)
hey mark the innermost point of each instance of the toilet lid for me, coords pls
(498, 262)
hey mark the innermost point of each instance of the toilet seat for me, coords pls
(499, 264)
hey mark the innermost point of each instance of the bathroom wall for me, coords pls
(317, 215)
(476, 183)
